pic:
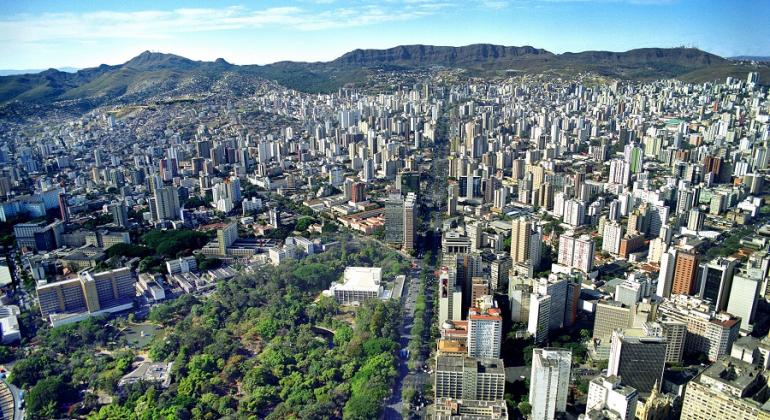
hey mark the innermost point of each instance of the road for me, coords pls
(395, 405)
(432, 203)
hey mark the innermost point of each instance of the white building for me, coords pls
(744, 297)
(666, 274)
(539, 316)
(485, 333)
(181, 265)
(9, 324)
(613, 233)
(555, 287)
(608, 398)
(450, 298)
(576, 252)
(279, 254)
(251, 205)
(574, 212)
(358, 284)
(549, 382)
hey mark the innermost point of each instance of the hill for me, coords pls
(157, 75)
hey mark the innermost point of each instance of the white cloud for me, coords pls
(160, 24)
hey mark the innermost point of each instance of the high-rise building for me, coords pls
(708, 332)
(468, 378)
(450, 297)
(226, 236)
(539, 321)
(695, 220)
(610, 316)
(638, 359)
(87, 294)
(574, 212)
(549, 382)
(576, 252)
(166, 203)
(64, 208)
(520, 239)
(499, 269)
(358, 192)
(613, 233)
(744, 296)
(410, 221)
(686, 200)
(485, 333)
(666, 273)
(716, 281)
(609, 398)
(556, 287)
(675, 333)
(119, 212)
(728, 389)
(394, 219)
(572, 304)
(685, 269)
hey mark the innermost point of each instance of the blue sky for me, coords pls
(58, 33)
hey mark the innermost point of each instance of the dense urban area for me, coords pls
(426, 244)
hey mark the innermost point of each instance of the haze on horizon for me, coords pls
(49, 33)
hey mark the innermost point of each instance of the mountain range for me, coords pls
(161, 75)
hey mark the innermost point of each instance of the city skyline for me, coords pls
(53, 34)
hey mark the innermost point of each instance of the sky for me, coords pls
(39, 34)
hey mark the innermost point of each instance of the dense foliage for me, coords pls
(262, 346)
(173, 243)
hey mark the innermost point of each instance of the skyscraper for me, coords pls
(485, 333)
(716, 281)
(744, 296)
(410, 221)
(685, 268)
(520, 237)
(666, 273)
(549, 382)
(637, 359)
(394, 219)
(613, 233)
(469, 378)
(119, 213)
(226, 236)
(576, 252)
(166, 203)
(539, 321)
(64, 208)
(450, 297)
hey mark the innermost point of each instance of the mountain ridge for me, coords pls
(152, 74)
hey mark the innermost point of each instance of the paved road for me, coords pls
(418, 378)
(395, 405)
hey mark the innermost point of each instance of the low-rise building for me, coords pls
(728, 389)
(463, 409)
(358, 284)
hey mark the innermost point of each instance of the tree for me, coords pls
(303, 223)
(525, 408)
(42, 398)
(362, 407)
(128, 250)
(27, 372)
(112, 412)
(6, 354)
